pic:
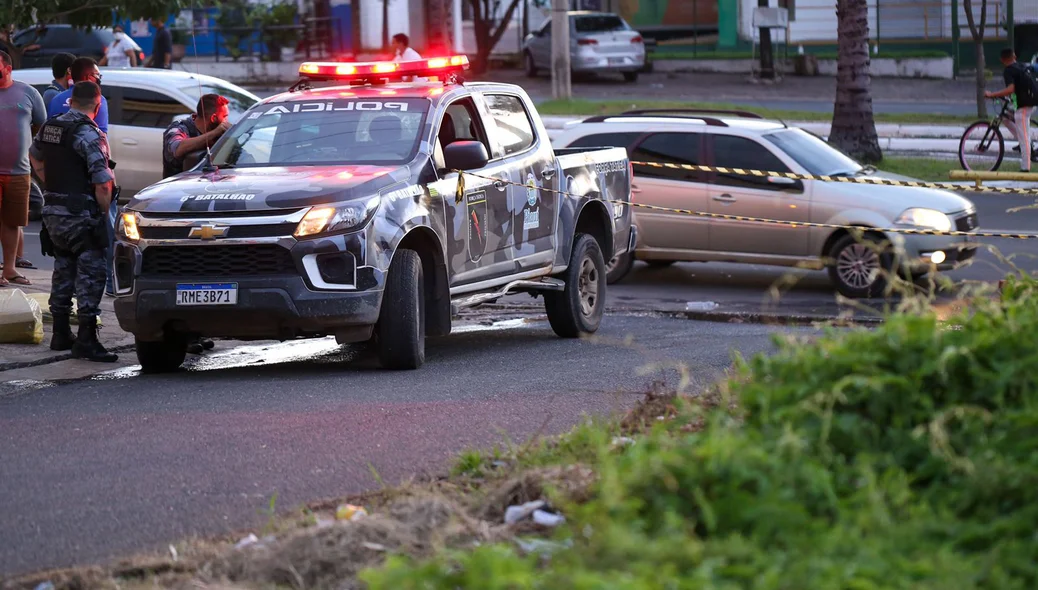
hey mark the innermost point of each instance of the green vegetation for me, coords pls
(930, 169)
(900, 457)
(667, 53)
(610, 107)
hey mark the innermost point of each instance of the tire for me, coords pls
(578, 310)
(630, 77)
(659, 263)
(619, 267)
(164, 356)
(531, 66)
(857, 269)
(400, 333)
(982, 130)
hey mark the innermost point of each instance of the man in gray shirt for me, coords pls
(21, 112)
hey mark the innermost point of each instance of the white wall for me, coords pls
(371, 21)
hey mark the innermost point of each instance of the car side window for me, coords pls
(460, 122)
(739, 152)
(514, 129)
(145, 108)
(603, 140)
(670, 148)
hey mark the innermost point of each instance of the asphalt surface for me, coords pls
(96, 469)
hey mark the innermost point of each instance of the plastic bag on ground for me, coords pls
(21, 319)
(43, 299)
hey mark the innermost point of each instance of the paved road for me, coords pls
(95, 469)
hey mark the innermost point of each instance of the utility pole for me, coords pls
(767, 58)
(561, 87)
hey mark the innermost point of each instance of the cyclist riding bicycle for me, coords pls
(1021, 86)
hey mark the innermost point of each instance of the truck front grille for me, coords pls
(217, 261)
(275, 230)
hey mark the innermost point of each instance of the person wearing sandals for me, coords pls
(21, 112)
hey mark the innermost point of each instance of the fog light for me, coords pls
(938, 257)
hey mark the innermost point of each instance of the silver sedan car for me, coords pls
(600, 42)
(738, 233)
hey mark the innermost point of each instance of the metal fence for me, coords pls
(313, 38)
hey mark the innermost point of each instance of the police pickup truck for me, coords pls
(337, 208)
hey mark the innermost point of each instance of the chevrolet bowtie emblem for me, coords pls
(207, 232)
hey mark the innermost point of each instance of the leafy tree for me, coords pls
(18, 14)
(488, 28)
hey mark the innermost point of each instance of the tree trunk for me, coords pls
(854, 128)
(385, 25)
(14, 52)
(487, 35)
(982, 105)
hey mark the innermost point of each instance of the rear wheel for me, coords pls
(630, 76)
(531, 66)
(401, 322)
(982, 147)
(163, 356)
(578, 309)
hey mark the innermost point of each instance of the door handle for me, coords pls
(725, 198)
(548, 172)
(500, 185)
(128, 141)
(635, 189)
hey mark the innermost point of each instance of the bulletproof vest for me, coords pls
(67, 171)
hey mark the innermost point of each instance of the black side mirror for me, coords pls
(465, 155)
(193, 158)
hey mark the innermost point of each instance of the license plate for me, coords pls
(616, 60)
(207, 294)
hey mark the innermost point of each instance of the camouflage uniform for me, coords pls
(83, 275)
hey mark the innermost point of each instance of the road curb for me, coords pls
(56, 359)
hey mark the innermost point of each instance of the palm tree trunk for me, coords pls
(854, 127)
(385, 25)
(982, 105)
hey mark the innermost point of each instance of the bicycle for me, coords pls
(982, 146)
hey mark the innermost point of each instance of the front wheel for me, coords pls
(859, 268)
(401, 321)
(630, 76)
(982, 147)
(163, 356)
(531, 66)
(578, 309)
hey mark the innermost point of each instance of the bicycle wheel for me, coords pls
(982, 147)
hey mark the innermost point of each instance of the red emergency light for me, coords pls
(363, 72)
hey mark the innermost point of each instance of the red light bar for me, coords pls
(368, 71)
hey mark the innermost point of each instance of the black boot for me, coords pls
(63, 338)
(87, 346)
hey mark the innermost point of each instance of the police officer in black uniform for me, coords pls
(71, 156)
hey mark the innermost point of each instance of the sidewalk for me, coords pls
(22, 361)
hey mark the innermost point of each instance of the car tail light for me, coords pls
(587, 42)
(637, 39)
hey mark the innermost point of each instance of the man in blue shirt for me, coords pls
(84, 69)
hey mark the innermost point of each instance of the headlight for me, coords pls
(926, 218)
(127, 227)
(320, 220)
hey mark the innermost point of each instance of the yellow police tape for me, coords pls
(459, 196)
(844, 179)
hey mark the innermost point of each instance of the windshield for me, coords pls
(816, 156)
(326, 132)
(599, 24)
(238, 101)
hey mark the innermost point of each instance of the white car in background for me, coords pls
(141, 104)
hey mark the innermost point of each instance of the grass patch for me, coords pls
(583, 107)
(929, 169)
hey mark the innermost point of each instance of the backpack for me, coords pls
(1028, 95)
